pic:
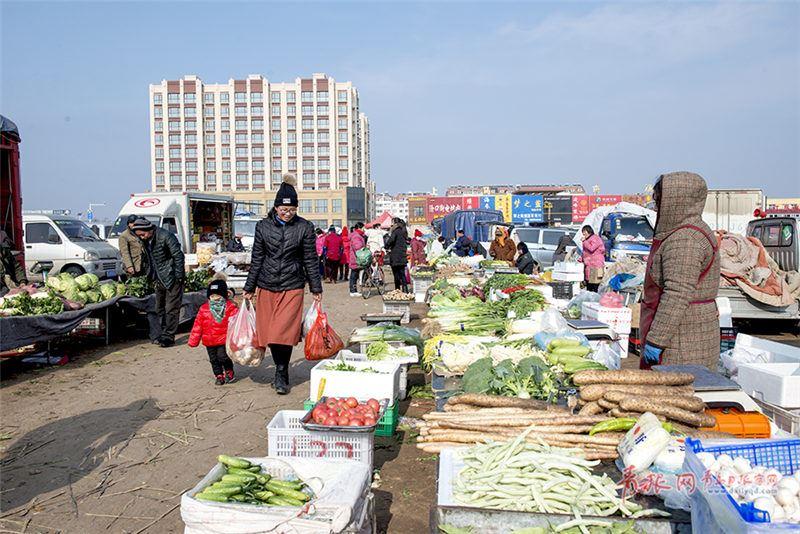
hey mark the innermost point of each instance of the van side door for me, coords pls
(550, 239)
(43, 243)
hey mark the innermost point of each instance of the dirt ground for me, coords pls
(110, 441)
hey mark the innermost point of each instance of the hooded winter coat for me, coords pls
(686, 322)
(345, 246)
(357, 242)
(594, 252)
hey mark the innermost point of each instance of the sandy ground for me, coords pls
(109, 442)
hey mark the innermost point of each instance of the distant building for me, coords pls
(461, 190)
(242, 136)
(396, 205)
(573, 189)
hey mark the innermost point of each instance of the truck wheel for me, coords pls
(74, 270)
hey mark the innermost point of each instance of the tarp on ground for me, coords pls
(18, 332)
(384, 220)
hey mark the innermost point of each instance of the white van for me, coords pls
(192, 217)
(69, 244)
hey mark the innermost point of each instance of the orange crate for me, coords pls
(741, 424)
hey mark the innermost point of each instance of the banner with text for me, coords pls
(527, 209)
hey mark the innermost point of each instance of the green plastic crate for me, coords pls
(386, 426)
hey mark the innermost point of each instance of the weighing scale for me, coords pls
(715, 390)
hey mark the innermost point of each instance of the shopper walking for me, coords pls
(502, 247)
(593, 257)
(418, 249)
(679, 321)
(333, 254)
(344, 268)
(131, 249)
(211, 328)
(166, 269)
(284, 258)
(397, 245)
(358, 241)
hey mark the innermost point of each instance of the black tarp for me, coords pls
(18, 332)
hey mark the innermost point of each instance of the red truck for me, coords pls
(10, 191)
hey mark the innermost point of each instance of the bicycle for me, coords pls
(372, 279)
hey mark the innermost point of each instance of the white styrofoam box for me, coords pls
(568, 267)
(382, 385)
(419, 298)
(450, 464)
(777, 352)
(400, 308)
(775, 383)
(286, 438)
(364, 345)
(413, 357)
(421, 285)
(561, 276)
(619, 319)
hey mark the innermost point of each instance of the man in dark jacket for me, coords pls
(235, 244)
(462, 245)
(397, 245)
(166, 269)
(9, 265)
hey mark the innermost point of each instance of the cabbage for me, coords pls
(81, 296)
(87, 281)
(120, 289)
(71, 294)
(65, 276)
(94, 296)
(108, 290)
(54, 283)
(69, 285)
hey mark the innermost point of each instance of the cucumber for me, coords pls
(223, 490)
(284, 501)
(239, 497)
(263, 495)
(216, 497)
(238, 478)
(286, 492)
(232, 461)
(254, 469)
(288, 484)
(240, 471)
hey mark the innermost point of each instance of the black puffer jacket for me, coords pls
(284, 256)
(164, 254)
(397, 244)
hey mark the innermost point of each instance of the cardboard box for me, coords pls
(635, 311)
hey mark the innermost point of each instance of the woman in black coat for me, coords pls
(397, 245)
(525, 262)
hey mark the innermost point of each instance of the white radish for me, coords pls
(724, 460)
(790, 484)
(707, 460)
(742, 465)
(784, 497)
(766, 504)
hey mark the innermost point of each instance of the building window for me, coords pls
(226, 165)
(305, 205)
(307, 96)
(241, 125)
(258, 179)
(159, 152)
(307, 111)
(225, 124)
(308, 179)
(292, 150)
(240, 111)
(208, 125)
(292, 164)
(191, 152)
(276, 137)
(307, 124)
(324, 178)
(276, 151)
(257, 110)
(211, 179)
(190, 139)
(211, 165)
(188, 98)
(241, 138)
(158, 112)
(291, 137)
(191, 165)
(190, 125)
(308, 150)
(291, 111)
(158, 125)
(258, 151)
(241, 164)
(275, 110)
(240, 97)
(344, 178)
(342, 124)
(226, 180)
(336, 222)
(158, 98)
(173, 98)
(343, 163)
(225, 138)
(323, 137)
(226, 152)
(174, 112)
(225, 111)
(208, 98)
(341, 110)
(160, 166)
(342, 150)
(308, 137)
(322, 96)
(159, 139)
(223, 97)
(276, 164)
(322, 110)
(277, 178)
(210, 152)
(209, 138)
(291, 96)
(291, 124)
(208, 111)
(275, 124)
(323, 151)
(241, 180)
(341, 96)
(324, 164)
(258, 165)
(308, 164)
(321, 205)
(275, 96)
(174, 179)
(342, 137)
(174, 126)
(174, 139)
(256, 97)
(160, 179)
(190, 112)
(323, 123)
(257, 138)
(241, 151)
(175, 165)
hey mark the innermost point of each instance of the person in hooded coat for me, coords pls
(417, 249)
(679, 322)
(284, 259)
(502, 247)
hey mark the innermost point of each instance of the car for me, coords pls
(69, 244)
(541, 241)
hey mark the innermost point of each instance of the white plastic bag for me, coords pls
(553, 321)
(240, 343)
(607, 356)
(310, 317)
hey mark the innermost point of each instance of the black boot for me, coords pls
(282, 379)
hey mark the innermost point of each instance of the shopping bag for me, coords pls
(240, 343)
(310, 318)
(322, 340)
(596, 274)
(363, 258)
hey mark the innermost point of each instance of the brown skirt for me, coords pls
(279, 316)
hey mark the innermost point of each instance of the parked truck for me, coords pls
(192, 217)
(731, 209)
(626, 234)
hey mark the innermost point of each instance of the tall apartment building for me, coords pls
(240, 137)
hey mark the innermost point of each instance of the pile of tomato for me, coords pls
(346, 412)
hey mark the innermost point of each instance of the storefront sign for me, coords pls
(441, 206)
(487, 202)
(580, 208)
(503, 203)
(470, 203)
(527, 208)
(605, 200)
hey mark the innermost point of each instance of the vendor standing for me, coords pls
(284, 258)
(679, 322)
(9, 265)
(418, 249)
(166, 269)
(502, 247)
(593, 257)
(131, 250)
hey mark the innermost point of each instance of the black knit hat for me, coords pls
(286, 195)
(143, 224)
(217, 287)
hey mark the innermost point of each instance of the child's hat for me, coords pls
(217, 287)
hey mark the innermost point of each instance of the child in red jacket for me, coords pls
(211, 326)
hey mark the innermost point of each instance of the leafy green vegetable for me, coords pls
(197, 280)
(478, 376)
(503, 281)
(387, 332)
(342, 366)
(450, 529)
(526, 301)
(87, 281)
(139, 286)
(530, 378)
(24, 304)
(381, 350)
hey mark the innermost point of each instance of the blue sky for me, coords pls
(594, 93)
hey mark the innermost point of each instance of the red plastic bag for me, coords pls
(240, 343)
(322, 341)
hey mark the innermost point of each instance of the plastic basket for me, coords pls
(386, 425)
(786, 420)
(713, 508)
(561, 290)
(286, 439)
(400, 308)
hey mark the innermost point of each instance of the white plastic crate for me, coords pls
(619, 319)
(562, 276)
(383, 385)
(405, 363)
(775, 383)
(286, 439)
(400, 308)
(568, 267)
(421, 285)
